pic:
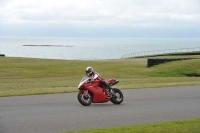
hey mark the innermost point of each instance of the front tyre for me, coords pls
(85, 101)
(119, 99)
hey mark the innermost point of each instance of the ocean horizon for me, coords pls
(87, 48)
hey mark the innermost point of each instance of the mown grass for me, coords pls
(25, 76)
(177, 69)
(186, 126)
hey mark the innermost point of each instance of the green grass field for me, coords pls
(25, 76)
(187, 126)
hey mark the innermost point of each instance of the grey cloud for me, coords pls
(171, 14)
(106, 11)
(2, 2)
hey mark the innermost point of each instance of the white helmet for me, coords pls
(89, 71)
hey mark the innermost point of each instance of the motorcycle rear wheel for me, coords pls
(119, 99)
(85, 101)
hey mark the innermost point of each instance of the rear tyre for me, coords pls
(119, 99)
(85, 101)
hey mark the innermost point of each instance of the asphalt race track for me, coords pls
(62, 112)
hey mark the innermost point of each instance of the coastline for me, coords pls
(30, 45)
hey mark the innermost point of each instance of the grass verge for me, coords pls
(186, 126)
(25, 76)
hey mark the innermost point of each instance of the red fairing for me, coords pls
(98, 92)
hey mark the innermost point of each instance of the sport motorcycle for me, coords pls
(94, 92)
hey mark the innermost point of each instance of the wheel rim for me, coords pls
(118, 97)
(85, 99)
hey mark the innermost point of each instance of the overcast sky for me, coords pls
(100, 18)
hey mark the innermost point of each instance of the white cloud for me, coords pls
(100, 12)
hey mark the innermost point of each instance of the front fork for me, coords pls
(85, 93)
(113, 93)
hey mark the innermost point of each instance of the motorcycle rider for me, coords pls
(95, 76)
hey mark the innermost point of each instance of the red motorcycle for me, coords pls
(91, 92)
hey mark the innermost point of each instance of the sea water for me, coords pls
(87, 48)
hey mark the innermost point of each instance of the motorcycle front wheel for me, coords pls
(119, 99)
(85, 101)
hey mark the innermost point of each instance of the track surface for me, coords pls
(62, 112)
